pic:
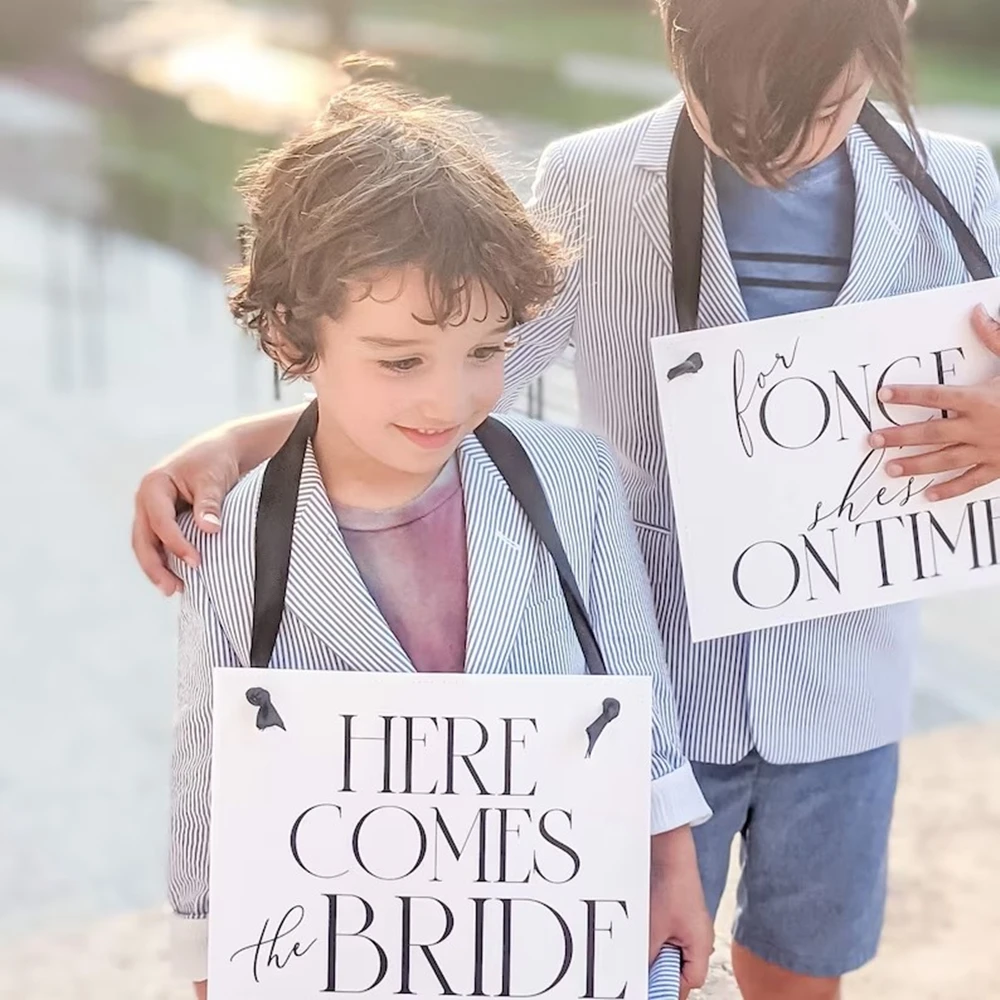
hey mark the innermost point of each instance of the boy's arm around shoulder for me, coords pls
(202, 645)
(544, 340)
(624, 620)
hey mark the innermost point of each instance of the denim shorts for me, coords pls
(813, 847)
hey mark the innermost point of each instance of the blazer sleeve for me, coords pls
(202, 645)
(986, 212)
(624, 619)
(545, 339)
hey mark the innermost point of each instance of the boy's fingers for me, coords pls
(981, 475)
(693, 977)
(149, 554)
(694, 968)
(987, 329)
(950, 459)
(162, 517)
(926, 433)
(932, 397)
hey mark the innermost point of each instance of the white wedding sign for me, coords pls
(782, 510)
(429, 835)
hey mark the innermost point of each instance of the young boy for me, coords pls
(388, 263)
(793, 730)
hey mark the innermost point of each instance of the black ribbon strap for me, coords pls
(279, 496)
(686, 205)
(510, 458)
(276, 519)
(909, 164)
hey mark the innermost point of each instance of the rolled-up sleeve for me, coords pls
(624, 620)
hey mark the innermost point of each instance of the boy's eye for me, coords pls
(489, 351)
(403, 365)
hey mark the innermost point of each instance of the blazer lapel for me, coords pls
(325, 589)
(886, 219)
(721, 298)
(653, 216)
(650, 205)
(502, 550)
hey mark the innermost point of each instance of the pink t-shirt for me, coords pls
(413, 560)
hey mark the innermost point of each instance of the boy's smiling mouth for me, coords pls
(429, 438)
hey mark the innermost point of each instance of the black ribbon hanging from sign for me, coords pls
(275, 522)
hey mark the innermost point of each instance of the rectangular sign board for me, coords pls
(783, 512)
(429, 835)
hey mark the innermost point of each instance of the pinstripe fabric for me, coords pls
(809, 691)
(518, 623)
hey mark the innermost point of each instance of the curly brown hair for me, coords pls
(384, 179)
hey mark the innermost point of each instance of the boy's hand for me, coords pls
(200, 476)
(970, 440)
(677, 912)
(201, 991)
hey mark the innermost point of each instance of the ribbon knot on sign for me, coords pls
(267, 714)
(609, 712)
(690, 366)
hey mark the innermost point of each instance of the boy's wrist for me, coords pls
(233, 440)
(672, 851)
(254, 440)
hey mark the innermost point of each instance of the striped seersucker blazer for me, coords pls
(517, 624)
(805, 692)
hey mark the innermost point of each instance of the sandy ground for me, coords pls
(940, 938)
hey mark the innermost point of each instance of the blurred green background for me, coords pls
(545, 65)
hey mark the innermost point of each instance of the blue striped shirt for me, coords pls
(791, 246)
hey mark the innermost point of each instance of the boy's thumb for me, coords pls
(206, 513)
(987, 329)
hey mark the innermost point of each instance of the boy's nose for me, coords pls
(447, 400)
(438, 417)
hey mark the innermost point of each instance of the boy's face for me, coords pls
(400, 392)
(836, 116)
